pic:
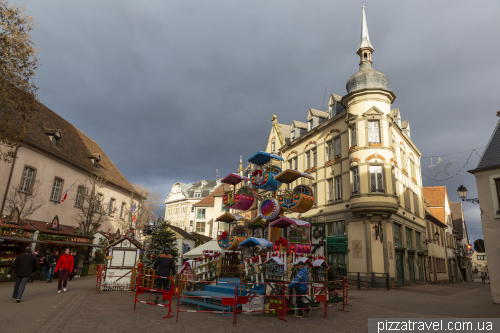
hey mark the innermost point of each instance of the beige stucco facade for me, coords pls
(481, 263)
(490, 221)
(47, 168)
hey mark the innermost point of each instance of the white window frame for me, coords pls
(56, 189)
(379, 185)
(338, 188)
(354, 138)
(374, 131)
(111, 207)
(355, 180)
(27, 179)
(329, 150)
(331, 193)
(122, 210)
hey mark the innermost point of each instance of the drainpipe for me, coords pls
(8, 182)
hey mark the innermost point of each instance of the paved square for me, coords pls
(81, 309)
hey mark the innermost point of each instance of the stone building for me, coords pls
(368, 185)
(487, 175)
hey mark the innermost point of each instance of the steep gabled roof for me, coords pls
(334, 99)
(285, 131)
(491, 155)
(317, 113)
(202, 237)
(298, 124)
(182, 232)
(74, 147)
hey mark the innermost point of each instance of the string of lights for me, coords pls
(468, 159)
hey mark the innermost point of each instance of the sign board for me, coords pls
(357, 249)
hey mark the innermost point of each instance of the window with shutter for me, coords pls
(338, 188)
(355, 180)
(330, 190)
(329, 151)
(337, 147)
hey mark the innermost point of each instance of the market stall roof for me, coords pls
(72, 243)
(320, 262)
(289, 176)
(287, 221)
(252, 241)
(19, 239)
(229, 217)
(233, 179)
(262, 158)
(23, 225)
(304, 260)
(44, 227)
(277, 260)
(198, 251)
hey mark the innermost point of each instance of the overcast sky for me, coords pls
(173, 90)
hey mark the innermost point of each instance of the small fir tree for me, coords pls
(163, 237)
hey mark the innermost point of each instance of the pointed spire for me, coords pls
(365, 38)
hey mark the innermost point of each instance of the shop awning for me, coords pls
(18, 239)
(72, 243)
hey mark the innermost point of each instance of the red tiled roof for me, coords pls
(74, 147)
(203, 237)
(218, 192)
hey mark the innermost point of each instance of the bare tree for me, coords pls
(92, 212)
(27, 202)
(145, 208)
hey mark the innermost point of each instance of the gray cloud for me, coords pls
(173, 90)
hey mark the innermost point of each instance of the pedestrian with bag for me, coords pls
(65, 267)
(166, 267)
(301, 289)
(52, 265)
(25, 265)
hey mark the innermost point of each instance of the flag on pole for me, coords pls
(133, 208)
(65, 195)
(134, 218)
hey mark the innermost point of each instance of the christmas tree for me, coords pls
(163, 238)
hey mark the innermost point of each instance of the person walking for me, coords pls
(301, 289)
(75, 264)
(25, 265)
(45, 267)
(166, 267)
(79, 266)
(65, 267)
(52, 265)
(483, 278)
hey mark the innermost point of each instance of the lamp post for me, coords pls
(462, 193)
(436, 237)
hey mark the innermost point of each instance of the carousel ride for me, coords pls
(273, 192)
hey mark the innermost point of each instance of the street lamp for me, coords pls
(436, 238)
(462, 193)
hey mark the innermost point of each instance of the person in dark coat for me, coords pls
(165, 267)
(76, 257)
(45, 267)
(54, 258)
(25, 265)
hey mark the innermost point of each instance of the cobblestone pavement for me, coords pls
(83, 310)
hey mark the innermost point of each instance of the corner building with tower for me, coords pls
(368, 215)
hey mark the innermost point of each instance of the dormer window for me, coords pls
(197, 195)
(310, 124)
(95, 159)
(53, 135)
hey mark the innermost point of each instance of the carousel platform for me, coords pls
(216, 292)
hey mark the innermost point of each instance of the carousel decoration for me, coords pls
(297, 241)
(238, 231)
(265, 167)
(237, 195)
(301, 198)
